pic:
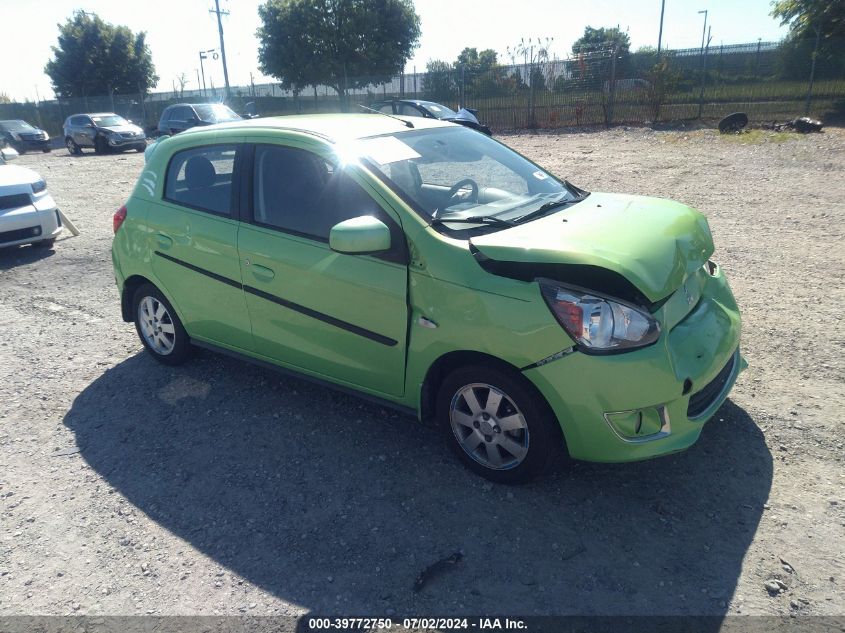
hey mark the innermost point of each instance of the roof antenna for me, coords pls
(402, 121)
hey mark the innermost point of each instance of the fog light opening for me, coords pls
(687, 387)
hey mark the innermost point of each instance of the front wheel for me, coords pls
(72, 148)
(159, 327)
(45, 244)
(497, 423)
(100, 145)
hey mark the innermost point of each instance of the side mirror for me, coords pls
(7, 154)
(361, 235)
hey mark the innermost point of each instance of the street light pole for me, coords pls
(703, 30)
(660, 33)
(204, 55)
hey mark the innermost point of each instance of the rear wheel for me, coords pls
(497, 423)
(159, 328)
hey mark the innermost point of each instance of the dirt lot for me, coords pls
(221, 488)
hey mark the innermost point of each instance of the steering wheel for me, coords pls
(473, 196)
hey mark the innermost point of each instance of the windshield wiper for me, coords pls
(473, 219)
(545, 208)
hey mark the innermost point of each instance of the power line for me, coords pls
(216, 10)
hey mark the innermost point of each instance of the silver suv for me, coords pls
(103, 131)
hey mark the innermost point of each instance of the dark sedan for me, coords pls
(183, 116)
(431, 110)
(24, 137)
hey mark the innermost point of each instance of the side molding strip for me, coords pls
(290, 305)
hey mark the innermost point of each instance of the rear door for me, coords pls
(193, 239)
(342, 317)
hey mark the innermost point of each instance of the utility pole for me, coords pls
(703, 30)
(660, 33)
(216, 10)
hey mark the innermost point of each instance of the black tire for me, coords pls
(45, 244)
(72, 148)
(541, 434)
(100, 146)
(46, 150)
(181, 343)
(141, 148)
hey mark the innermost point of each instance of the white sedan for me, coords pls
(28, 214)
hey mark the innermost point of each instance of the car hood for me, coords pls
(134, 129)
(654, 243)
(14, 176)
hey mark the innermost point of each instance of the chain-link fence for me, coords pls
(770, 81)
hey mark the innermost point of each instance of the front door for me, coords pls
(193, 241)
(341, 317)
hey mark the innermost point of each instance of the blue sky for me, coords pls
(179, 29)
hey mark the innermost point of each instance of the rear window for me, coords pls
(201, 178)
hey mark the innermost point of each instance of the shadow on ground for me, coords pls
(337, 505)
(13, 256)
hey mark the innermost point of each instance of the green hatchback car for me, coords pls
(427, 266)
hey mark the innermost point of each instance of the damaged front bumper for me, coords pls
(655, 400)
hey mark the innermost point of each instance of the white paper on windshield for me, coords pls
(386, 149)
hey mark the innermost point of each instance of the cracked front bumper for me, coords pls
(637, 405)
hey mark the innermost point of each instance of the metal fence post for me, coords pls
(703, 76)
(463, 85)
(813, 71)
(611, 96)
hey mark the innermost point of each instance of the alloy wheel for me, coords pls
(156, 325)
(489, 426)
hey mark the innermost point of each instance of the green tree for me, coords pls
(439, 83)
(94, 57)
(804, 16)
(343, 44)
(602, 40)
(594, 53)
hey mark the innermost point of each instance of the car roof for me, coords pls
(332, 127)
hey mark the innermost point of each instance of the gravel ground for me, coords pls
(221, 488)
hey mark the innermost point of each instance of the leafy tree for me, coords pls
(804, 16)
(343, 44)
(4, 98)
(439, 83)
(594, 54)
(94, 57)
(602, 40)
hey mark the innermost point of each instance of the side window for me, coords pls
(387, 107)
(299, 192)
(168, 112)
(201, 178)
(406, 109)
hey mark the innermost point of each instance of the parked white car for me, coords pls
(28, 214)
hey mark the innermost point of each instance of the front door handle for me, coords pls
(164, 241)
(262, 272)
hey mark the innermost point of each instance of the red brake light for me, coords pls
(119, 217)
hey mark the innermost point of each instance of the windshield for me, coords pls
(455, 172)
(109, 120)
(16, 126)
(216, 113)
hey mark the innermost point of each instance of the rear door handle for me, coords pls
(262, 272)
(164, 241)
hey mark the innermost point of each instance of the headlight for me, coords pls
(46, 137)
(114, 136)
(38, 186)
(597, 323)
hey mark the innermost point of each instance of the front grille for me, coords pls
(14, 201)
(699, 402)
(32, 136)
(130, 135)
(20, 234)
